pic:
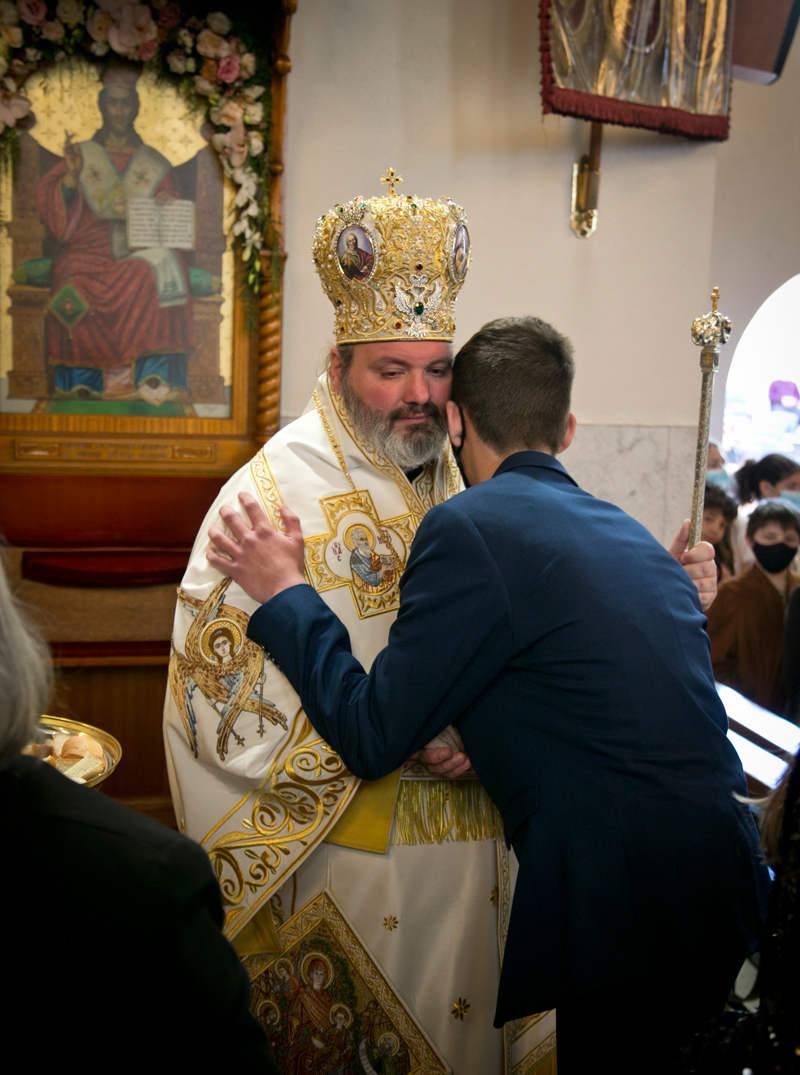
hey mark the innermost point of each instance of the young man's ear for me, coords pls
(335, 370)
(454, 424)
(572, 425)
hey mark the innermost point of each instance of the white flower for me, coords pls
(255, 143)
(191, 64)
(218, 142)
(9, 16)
(252, 93)
(252, 209)
(219, 22)
(242, 226)
(186, 39)
(99, 48)
(70, 12)
(32, 55)
(176, 61)
(202, 85)
(247, 186)
(254, 113)
(247, 64)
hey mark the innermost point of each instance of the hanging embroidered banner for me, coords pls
(659, 64)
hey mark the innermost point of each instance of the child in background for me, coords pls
(719, 511)
(773, 476)
(745, 623)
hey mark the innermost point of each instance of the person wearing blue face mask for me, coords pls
(715, 467)
(774, 475)
(745, 623)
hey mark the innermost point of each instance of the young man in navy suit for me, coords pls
(568, 648)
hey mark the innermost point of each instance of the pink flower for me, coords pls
(236, 145)
(53, 31)
(228, 68)
(148, 50)
(34, 12)
(170, 16)
(230, 114)
(210, 44)
(99, 24)
(134, 28)
(13, 106)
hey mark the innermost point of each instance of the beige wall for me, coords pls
(756, 239)
(448, 94)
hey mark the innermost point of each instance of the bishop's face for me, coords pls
(395, 393)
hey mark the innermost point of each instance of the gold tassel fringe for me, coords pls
(430, 811)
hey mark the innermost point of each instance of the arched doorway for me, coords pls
(762, 391)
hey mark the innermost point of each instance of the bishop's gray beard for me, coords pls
(409, 448)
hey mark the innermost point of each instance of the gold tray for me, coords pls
(111, 746)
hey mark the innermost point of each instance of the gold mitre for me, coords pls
(393, 266)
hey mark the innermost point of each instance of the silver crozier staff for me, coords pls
(707, 332)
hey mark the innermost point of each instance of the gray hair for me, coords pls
(25, 675)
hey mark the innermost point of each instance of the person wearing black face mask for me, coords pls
(745, 623)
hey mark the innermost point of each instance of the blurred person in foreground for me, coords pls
(773, 476)
(112, 945)
(568, 648)
(745, 623)
(719, 513)
(767, 1040)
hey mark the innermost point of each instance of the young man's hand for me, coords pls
(261, 560)
(699, 564)
(445, 755)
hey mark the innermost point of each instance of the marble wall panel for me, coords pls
(645, 470)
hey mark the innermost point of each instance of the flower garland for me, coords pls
(224, 75)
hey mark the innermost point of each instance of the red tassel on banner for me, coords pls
(589, 106)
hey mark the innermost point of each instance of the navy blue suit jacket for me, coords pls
(569, 649)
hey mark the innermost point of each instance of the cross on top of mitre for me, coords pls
(392, 179)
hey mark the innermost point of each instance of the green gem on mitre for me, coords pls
(419, 308)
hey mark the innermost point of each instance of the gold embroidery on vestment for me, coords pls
(361, 551)
(224, 665)
(324, 980)
(433, 811)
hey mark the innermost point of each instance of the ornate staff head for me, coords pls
(713, 328)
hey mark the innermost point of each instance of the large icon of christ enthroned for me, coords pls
(119, 263)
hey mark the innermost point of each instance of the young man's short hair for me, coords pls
(773, 511)
(514, 379)
(717, 499)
